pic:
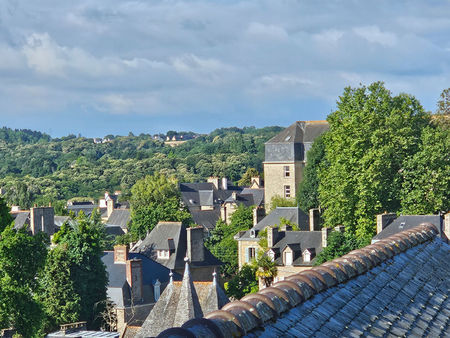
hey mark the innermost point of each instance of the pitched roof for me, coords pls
(21, 219)
(182, 301)
(407, 222)
(292, 214)
(409, 270)
(119, 217)
(298, 241)
(158, 239)
(300, 132)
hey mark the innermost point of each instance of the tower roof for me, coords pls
(300, 132)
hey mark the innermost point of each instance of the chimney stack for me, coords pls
(272, 236)
(325, 233)
(383, 220)
(195, 247)
(134, 278)
(258, 214)
(224, 183)
(120, 254)
(42, 219)
(215, 181)
(109, 206)
(314, 219)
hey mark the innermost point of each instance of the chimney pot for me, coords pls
(120, 253)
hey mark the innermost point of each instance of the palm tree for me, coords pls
(266, 269)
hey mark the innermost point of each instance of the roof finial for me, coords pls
(171, 276)
(214, 277)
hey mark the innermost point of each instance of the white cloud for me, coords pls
(329, 36)
(267, 31)
(373, 34)
(116, 103)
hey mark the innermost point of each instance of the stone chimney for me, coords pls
(134, 278)
(286, 227)
(314, 219)
(383, 220)
(258, 214)
(224, 183)
(272, 236)
(325, 233)
(215, 181)
(109, 206)
(120, 254)
(195, 247)
(447, 226)
(42, 219)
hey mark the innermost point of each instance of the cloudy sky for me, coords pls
(113, 66)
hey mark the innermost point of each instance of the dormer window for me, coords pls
(253, 233)
(163, 254)
(287, 171)
(308, 254)
(288, 259)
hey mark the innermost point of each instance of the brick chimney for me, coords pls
(314, 220)
(214, 181)
(272, 236)
(120, 254)
(195, 247)
(134, 278)
(325, 233)
(383, 220)
(42, 219)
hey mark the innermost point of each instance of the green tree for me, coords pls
(5, 216)
(243, 283)
(246, 179)
(266, 269)
(57, 290)
(371, 134)
(222, 244)
(308, 189)
(21, 259)
(82, 244)
(426, 174)
(338, 244)
(155, 198)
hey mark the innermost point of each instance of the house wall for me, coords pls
(242, 247)
(275, 181)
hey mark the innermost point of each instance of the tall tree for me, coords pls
(308, 190)
(22, 256)
(5, 216)
(371, 134)
(155, 198)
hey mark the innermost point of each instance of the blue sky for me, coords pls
(109, 67)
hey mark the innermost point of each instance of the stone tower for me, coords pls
(285, 158)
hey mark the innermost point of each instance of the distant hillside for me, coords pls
(34, 168)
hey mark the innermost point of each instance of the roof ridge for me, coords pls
(240, 317)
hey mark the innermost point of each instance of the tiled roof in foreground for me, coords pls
(398, 286)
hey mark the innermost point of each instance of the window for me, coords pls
(306, 256)
(250, 254)
(288, 258)
(287, 171)
(287, 191)
(163, 254)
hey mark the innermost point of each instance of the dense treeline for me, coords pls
(35, 168)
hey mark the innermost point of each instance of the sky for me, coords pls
(110, 67)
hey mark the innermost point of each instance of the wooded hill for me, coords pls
(35, 168)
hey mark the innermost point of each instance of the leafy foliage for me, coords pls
(221, 243)
(155, 198)
(278, 201)
(243, 283)
(308, 196)
(5, 216)
(247, 177)
(371, 134)
(338, 244)
(21, 258)
(266, 269)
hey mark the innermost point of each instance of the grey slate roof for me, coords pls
(298, 241)
(83, 334)
(158, 239)
(119, 217)
(182, 301)
(60, 220)
(407, 222)
(292, 214)
(300, 132)
(21, 219)
(396, 287)
(118, 290)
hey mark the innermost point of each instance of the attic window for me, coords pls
(252, 233)
(163, 254)
(402, 224)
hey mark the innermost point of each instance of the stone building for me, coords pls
(285, 158)
(36, 219)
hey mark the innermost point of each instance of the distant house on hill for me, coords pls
(169, 242)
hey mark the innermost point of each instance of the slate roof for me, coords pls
(300, 132)
(21, 219)
(398, 286)
(119, 217)
(60, 220)
(83, 334)
(298, 241)
(158, 239)
(182, 301)
(407, 222)
(206, 218)
(118, 290)
(292, 214)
